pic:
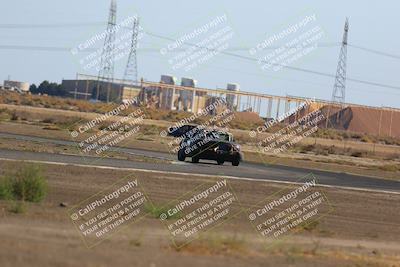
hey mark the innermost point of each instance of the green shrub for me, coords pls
(30, 184)
(307, 148)
(14, 116)
(18, 207)
(6, 190)
(321, 150)
(48, 120)
(103, 126)
(310, 226)
(27, 184)
(390, 167)
(357, 154)
(332, 150)
(366, 139)
(156, 211)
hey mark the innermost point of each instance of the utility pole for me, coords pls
(106, 68)
(131, 72)
(339, 88)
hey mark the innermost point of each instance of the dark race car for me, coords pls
(210, 145)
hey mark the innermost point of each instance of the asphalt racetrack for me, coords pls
(246, 170)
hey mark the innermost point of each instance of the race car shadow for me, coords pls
(210, 162)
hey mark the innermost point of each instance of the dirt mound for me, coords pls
(246, 120)
(248, 116)
(382, 122)
(303, 112)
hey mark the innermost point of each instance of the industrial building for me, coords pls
(88, 87)
(168, 94)
(16, 86)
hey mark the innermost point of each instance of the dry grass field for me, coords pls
(362, 230)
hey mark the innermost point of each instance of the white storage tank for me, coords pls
(15, 85)
(187, 97)
(188, 82)
(168, 79)
(232, 98)
(167, 94)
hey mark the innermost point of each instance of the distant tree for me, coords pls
(48, 88)
(33, 89)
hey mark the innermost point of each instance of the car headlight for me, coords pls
(237, 147)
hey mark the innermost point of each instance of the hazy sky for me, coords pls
(373, 25)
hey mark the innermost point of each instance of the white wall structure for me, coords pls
(15, 85)
(168, 95)
(187, 97)
(231, 99)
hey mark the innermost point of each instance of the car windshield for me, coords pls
(219, 136)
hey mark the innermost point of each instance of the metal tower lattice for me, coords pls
(106, 68)
(339, 89)
(131, 72)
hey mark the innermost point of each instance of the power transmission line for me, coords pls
(290, 80)
(90, 24)
(88, 50)
(332, 44)
(375, 51)
(281, 65)
(52, 25)
(35, 48)
(66, 49)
